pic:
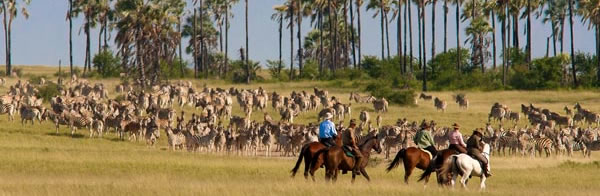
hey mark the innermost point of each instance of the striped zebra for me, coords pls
(77, 122)
(9, 109)
(97, 127)
(508, 141)
(30, 114)
(543, 144)
(175, 140)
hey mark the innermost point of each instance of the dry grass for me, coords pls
(35, 161)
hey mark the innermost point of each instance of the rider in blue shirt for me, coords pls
(327, 133)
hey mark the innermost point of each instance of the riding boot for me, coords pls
(486, 172)
(358, 162)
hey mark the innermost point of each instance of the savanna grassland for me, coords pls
(34, 160)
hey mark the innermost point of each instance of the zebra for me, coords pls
(80, 122)
(175, 139)
(30, 113)
(97, 127)
(543, 144)
(9, 109)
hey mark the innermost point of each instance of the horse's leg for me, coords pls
(363, 171)
(482, 184)
(353, 177)
(407, 171)
(307, 163)
(336, 171)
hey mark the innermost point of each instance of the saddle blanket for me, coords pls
(428, 153)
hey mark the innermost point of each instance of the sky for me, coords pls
(43, 39)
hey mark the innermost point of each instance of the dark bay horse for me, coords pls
(414, 157)
(336, 159)
(312, 162)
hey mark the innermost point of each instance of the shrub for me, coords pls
(49, 90)
(395, 96)
(107, 65)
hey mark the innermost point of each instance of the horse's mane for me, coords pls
(361, 140)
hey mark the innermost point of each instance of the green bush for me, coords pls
(107, 65)
(395, 96)
(174, 69)
(37, 79)
(238, 72)
(49, 90)
(544, 73)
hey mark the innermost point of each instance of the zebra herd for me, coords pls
(143, 114)
(137, 114)
(439, 104)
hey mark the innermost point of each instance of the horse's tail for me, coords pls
(400, 155)
(446, 169)
(300, 156)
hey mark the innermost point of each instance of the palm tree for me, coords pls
(378, 6)
(278, 16)
(458, 6)
(9, 11)
(446, 26)
(573, 70)
(291, 26)
(247, 49)
(590, 13)
(433, 4)
(359, 4)
(69, 17)
(398, 16)
(90, 13)
(353, 37)
(556, 14)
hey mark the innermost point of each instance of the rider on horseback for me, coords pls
(456, 140)
(474, 149)
(327, 131)
(424, 140)
(348, 140)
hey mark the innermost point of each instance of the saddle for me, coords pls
(348, 151)
(428, 153)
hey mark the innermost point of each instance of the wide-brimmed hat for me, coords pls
(456, 126)
(328, 115)
(352, 121)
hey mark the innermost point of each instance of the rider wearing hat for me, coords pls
(349, 140)
(424, 140)
(456, 140)
(327, 131)
(474, 149)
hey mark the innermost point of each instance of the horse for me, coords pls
(312, 162)
(336, 159)
(465, 166)
(414, 157)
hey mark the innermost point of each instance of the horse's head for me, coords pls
(377, 144)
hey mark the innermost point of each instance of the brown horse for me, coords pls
(413, 157)
(312, 161)
(336, 159)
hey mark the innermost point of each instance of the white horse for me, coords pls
(465, 166)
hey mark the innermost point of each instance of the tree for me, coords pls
(379, 6)
(590, 13)
(247, 49)
(278, 16)
(10, 11)
(573, 70)
(458, 6)
(89, 9)
(556, 14)
(70, 18)
(359, 4)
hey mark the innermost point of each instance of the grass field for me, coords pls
(36, 161)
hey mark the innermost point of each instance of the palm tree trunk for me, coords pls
(458, 58)
(410, 34)
(562, 36)
(195, 45)
(554, 34)
(516, 31)
(494, 39)
(335, 38)
(405, 49)
(382, 30)
(180, 47)
(387, 36)
(291, 13)
(247, 49)
(399, 38)
(419, 25)
(504, 52)
(299, 17)
(353, 39)
(321, 51)
(280, 44)
(424, 47)
(87, 45)
(226, 67)
(446, 26)
(529, 34)
(331, 37)
(346, 36)
(547, 47)
(359, 34)
(433, 3)
(573, 68)
(70, 39)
